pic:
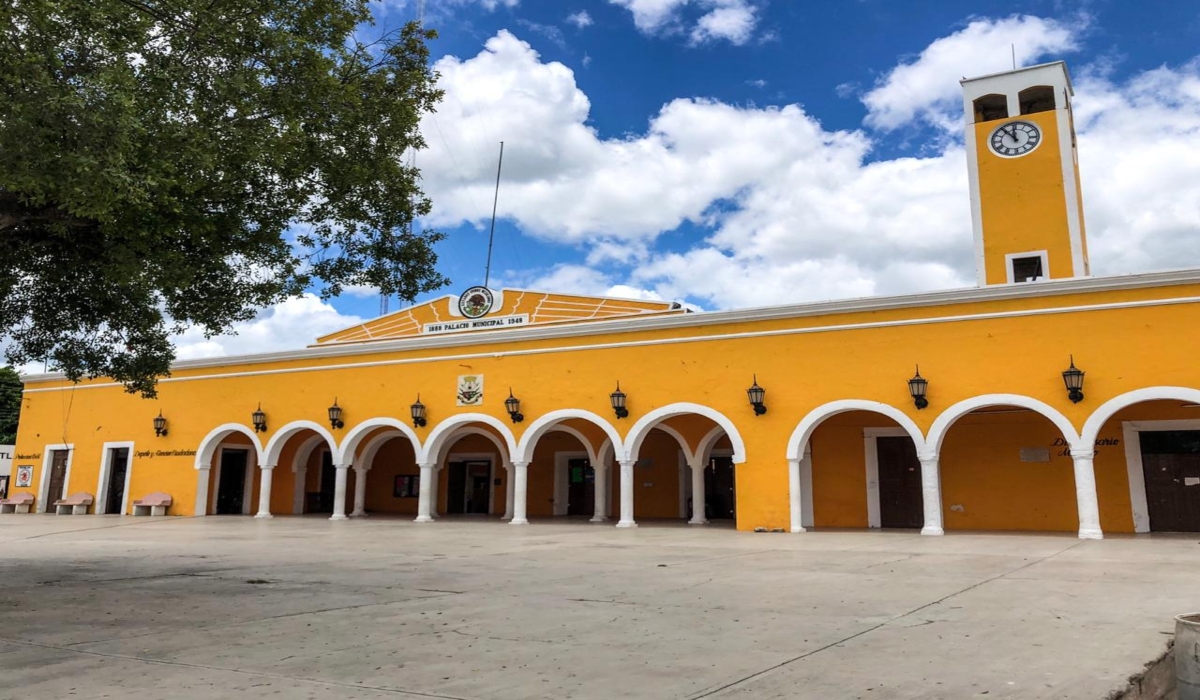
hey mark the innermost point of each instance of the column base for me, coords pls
(598, 519)
(518, 521)
(338, 517)
(358, 515)
(697, 522)
(626, 523)
(423, 519)
(1091, 534)
(798, 529)
(268, 515)
(932, 531)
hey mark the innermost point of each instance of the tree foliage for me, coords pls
(10, 405)
(176, 163)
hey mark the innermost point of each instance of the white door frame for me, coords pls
(562, 480)
(1131, 432)
(44, 483)
(105, 470)
(488, 457)
(247, 488)
(871, 446)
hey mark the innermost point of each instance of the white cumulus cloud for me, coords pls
(293, 323)
(580, 19)
(730, 20)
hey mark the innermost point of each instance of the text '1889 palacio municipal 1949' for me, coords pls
(1046, 399)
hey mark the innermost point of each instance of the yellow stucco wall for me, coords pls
(1013, 345)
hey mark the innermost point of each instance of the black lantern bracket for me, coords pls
(335, 416)
(617, 399)
(259, 419)
(513, 405)
(160, 425)
(918, 386)
(418, 413)
(756, 394)
(1073, 379)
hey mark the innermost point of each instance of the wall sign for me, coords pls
(479, 324)
(475, 302)
(25, 476)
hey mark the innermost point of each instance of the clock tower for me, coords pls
(1026, 201)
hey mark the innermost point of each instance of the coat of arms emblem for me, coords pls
(475, 302)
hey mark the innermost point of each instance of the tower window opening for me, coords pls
(991, 107)
(1029, 268)
(1039, 98)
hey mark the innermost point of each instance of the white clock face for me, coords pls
(1014, 139)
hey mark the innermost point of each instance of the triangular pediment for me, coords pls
(479, 309)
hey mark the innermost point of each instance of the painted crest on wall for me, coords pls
(475, 302)
(470, 390)
(25, 475)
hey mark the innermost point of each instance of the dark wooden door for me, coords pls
(719, 490)
(479, 481)
(900, 502)
(1171, 463)
(456, 483)
(118, 466)
(232, 487)
(58, 478)
(581, 487)
(328, 484)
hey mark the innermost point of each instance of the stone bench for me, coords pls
(20, 503)
(75, 504)
(152, 504)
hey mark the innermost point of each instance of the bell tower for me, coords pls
(1023, 168)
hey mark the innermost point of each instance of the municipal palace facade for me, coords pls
(1046, 399)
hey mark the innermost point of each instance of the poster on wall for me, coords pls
(470, 390)
(3, 485)
(25, 476)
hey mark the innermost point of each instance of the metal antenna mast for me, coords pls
(487, 271)
(412, 162)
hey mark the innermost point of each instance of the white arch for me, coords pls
(208, 446)
(637, 434)
(551, 421)
(707, 442)
(937, 432)
(679, 438)
(350, 444)
(804, 429)
(1096, 421)
(605, 449)
(431, 452)
(275, 445)
(374, 444)
(475, 430)
(593, 455)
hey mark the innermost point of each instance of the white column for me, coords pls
(509, 475)
(600, 492)
(626, 495)
(299, 489)
(795, 498)
(360, 492)
(423, 493)
(698, 498)
(931, 494)
(339, 492)
(806, 488)
(264, 491)
(203, 471)
(520, 493)
(434, 484)
(1085, 494)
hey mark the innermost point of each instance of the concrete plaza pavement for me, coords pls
(233, 607)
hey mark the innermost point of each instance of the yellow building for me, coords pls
(519, 411)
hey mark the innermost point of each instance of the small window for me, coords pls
(991, 107)
(406, 486)
(1028, 269)
(1037, 99)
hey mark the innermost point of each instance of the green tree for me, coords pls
(175, 163)
(10, 405)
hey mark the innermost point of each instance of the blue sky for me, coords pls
(735, 153)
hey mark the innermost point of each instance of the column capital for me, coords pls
(628, 463)
(362, 468)
(343, 466)
(519, 465)
(266, 466)
(427, 465)
(1083, 453)
(927, 456)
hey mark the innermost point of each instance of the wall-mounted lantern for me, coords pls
(418, 413)
(513, 405)
(160, 425)
(918, 386)
(617, 398)
(756, 394)
(335, 416)
(260, 420)
(1073, 378)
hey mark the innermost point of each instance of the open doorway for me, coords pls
(468, 487)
